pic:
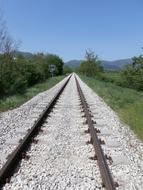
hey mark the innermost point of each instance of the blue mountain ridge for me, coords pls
(107, 65)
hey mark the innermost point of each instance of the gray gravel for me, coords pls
(121, 143)
(60, 160)
(15, 123)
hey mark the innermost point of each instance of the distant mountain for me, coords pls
(115, 65)
(107, 65)
(24, 54)
(74, 63)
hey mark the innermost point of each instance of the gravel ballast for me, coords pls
(60, 159)
(15, 123)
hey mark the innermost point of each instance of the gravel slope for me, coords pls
(15, 123)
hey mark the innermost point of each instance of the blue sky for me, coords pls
(111, 28)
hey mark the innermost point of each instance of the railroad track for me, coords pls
(107, 180)
(21, 152)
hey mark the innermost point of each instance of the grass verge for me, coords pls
(126, 102)
(14, 101)
(111, 76)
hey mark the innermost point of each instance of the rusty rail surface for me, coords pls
(14, 158)
(107, 180)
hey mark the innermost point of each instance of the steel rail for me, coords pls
(14, 158)
(106, 176)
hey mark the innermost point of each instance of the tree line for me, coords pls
(17, 72)
(131, 75)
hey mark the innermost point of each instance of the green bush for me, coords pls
(19, 86)
(18, 72)
(66, 69)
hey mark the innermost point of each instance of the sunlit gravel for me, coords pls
(15, 123)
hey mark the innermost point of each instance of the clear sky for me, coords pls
(111, 28)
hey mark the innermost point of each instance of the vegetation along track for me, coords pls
(64, 154)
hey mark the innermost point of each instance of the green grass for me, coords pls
(7, 103)
(112, 76)
(126, 102)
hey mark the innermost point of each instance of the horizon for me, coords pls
(111, 29)
(74, 59)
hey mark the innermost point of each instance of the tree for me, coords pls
(133, 74)
(91, 66)
(18, 72)
(6, 57)
(8, 70)
(7, 44)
